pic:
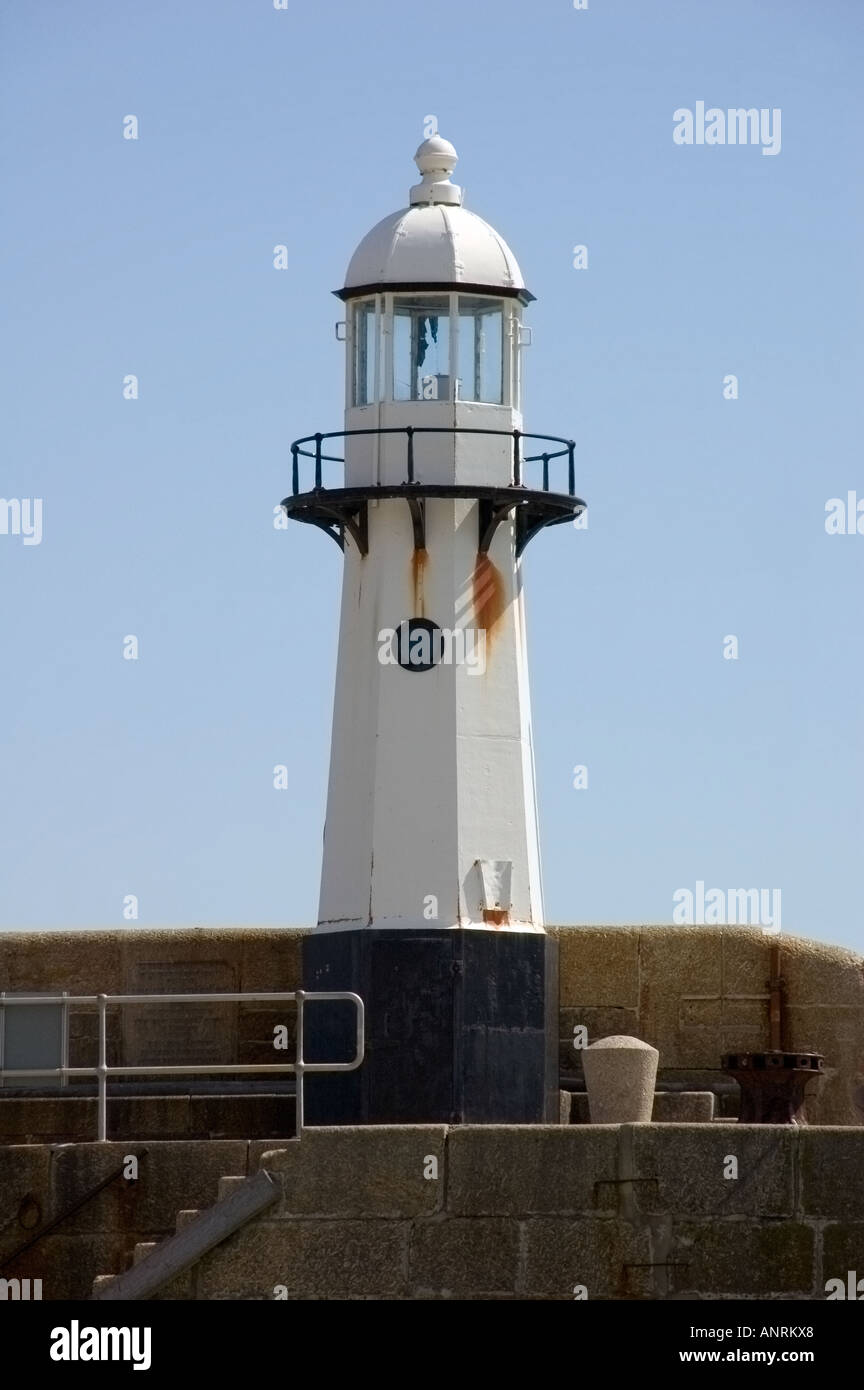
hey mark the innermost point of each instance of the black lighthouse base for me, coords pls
(461, 1027)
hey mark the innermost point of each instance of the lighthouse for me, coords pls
(431, 903)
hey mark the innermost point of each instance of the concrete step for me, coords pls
(183, 1219)
(158, 1265)
(58, 1119)
(670, 1107)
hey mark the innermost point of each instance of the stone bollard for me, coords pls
(619, 1076)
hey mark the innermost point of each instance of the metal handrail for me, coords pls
(297, 452)
(102, 1071)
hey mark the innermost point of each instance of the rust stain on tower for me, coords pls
(418, 572)
(496, 917)
(489, 596)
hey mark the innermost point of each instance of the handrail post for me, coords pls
(102, 1101)
(545, 472)
(571, 469)
(299, 1066)
(295, 470)
(64, 1040)
(409, 430)
(517, 466)
(360, 1033)
(318, 460)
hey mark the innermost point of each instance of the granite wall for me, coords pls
(480, 1212)
(693, 992)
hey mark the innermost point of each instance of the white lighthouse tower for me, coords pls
(431, 904)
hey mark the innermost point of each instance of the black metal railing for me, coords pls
(409, 431)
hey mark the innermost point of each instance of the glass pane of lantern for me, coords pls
(481, 341)
(421, 348)
(364, 352)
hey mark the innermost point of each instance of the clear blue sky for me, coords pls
(154, 257)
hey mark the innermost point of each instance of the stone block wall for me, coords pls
(39, 1182)
(63, 1119)
(516, 1212)
(692, 992)
(475, 1212)
(697, 992)
(132, 961)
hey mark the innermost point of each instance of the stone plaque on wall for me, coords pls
(180, 1034)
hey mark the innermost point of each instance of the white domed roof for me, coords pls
(434, 241)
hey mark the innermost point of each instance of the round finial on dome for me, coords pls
(436, 159)
(436, 155)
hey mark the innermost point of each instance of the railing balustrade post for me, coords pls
(517, 464)
(102, 1101)
(571, 467)
(299, 1066)
(545, 472)
(360, 1033)
(318, 460)
(64, 1039)
(409, 430)
(295, 470)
